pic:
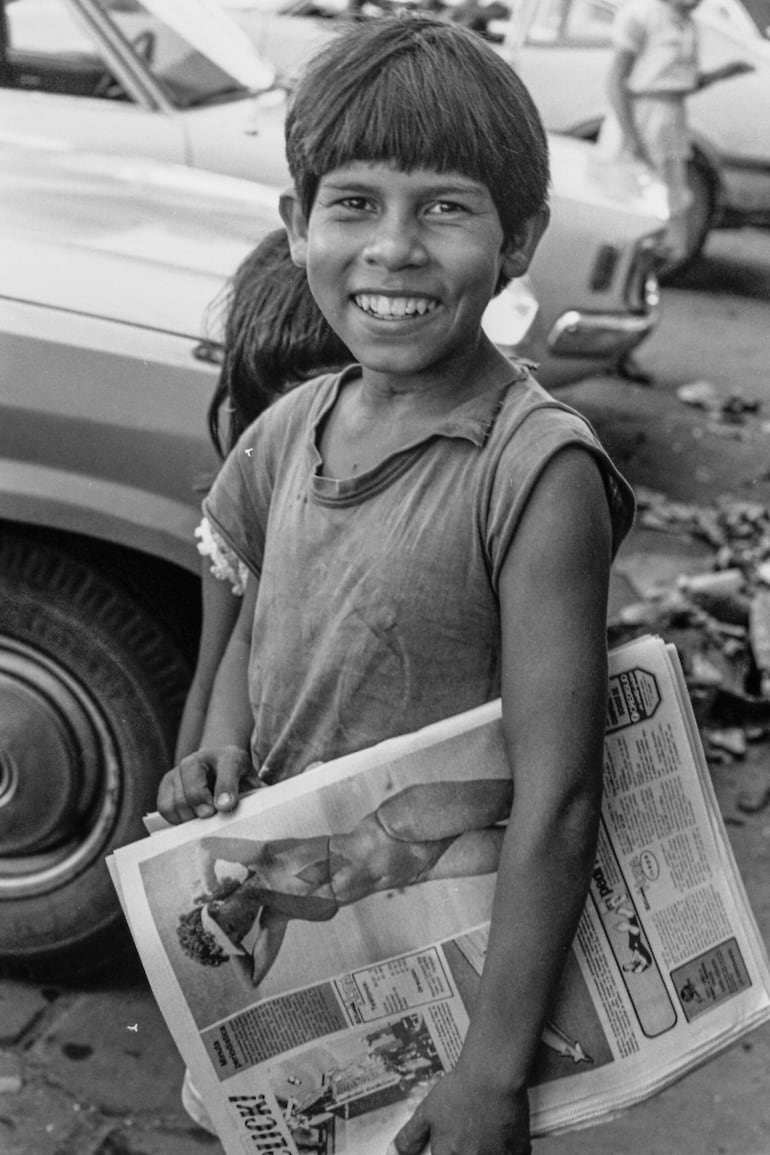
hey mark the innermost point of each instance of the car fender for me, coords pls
(124, 515)
(104, 429)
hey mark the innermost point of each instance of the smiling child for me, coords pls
(428, 529)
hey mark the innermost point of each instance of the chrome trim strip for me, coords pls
(582, 334)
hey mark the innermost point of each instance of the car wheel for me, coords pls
(699, 218)
(90, 694)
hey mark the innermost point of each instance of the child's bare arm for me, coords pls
(724, 72)
(221, 608)
(553, 595)
(208, 780)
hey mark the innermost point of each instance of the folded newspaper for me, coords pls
(315, 954)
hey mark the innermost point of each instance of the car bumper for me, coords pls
(603, 335)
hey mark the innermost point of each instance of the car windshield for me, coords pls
(194, 52)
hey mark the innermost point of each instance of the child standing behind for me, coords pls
(274, 337)
(428, 529)
(654, 69)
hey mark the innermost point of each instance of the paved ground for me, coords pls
(93, 1071)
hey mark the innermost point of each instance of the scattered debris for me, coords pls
(701, 394)
(731, 740)
(731, 409)
(759, 636)
(736, 406)
(10, 1074)
(754, 794)
(716, 582)
(717, 614)
(702, 672)
(752, 801)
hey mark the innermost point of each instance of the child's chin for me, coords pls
(394, 361)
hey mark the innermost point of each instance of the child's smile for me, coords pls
(394, 308)
(403, 265)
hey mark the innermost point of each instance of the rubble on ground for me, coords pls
(718, 617)
(726, 414)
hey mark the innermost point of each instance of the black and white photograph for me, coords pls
(365, 364)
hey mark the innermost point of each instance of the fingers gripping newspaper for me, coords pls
(316, 954)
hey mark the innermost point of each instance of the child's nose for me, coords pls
(395, 241)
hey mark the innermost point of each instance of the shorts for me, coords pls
(662, 125)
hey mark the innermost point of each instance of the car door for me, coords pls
(62, 81)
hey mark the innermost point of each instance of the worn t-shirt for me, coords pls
(377, 609)
(664, 43)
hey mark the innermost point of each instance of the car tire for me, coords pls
(699, 218)
(91, 689)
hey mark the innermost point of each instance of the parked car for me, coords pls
(108, 358)
(178, 82)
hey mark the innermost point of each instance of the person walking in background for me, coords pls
(655, 67)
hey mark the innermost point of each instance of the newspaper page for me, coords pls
(316, 955)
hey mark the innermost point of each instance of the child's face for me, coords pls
(403, 264)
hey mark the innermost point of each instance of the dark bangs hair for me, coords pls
(419, 92)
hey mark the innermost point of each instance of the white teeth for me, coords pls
(396, 307)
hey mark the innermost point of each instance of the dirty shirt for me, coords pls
(377, 610)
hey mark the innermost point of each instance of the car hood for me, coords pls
(578, 172)
(129, 240)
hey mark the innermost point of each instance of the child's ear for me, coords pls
(519, 252)
(294, 219)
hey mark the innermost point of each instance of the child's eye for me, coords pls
(444, 208)
(355, 203)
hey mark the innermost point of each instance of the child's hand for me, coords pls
(462, 1118)
(725, 72)
(203, 783)
(735, 68)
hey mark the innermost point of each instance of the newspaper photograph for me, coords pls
(316, 954)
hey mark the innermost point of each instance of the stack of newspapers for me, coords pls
(315, 954)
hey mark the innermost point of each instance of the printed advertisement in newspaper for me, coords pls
(317, 954)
